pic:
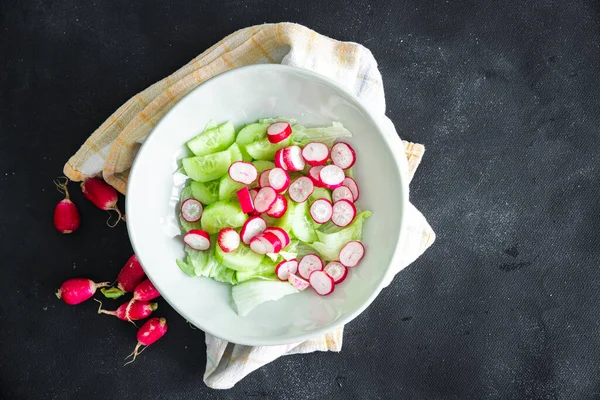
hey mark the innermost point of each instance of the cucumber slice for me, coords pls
(207, 168)
(262, 166)
(228, 188)
(302, 226)
(287, 221)
(222, 214)
(236, 153)
(265, 271)
(264, 150)
(319, 193)
(206, 192)
(251, 133)
(242, 259)
(213, 140)
(210, 125)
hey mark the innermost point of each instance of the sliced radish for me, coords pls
(260, 245)
(342, 193)
(343, 213)
(191, 210)
(281, 234)
(279, 179)
(292, 158)
(308, 264)
(243, 172)
(297, 282)
(263, 179)
(264, 199)
(278, 132)
(279, 160)
(245, 199)
(315, 153)
(301, 189)
(343, 155)
(351, 184)
(351, 254)
(253, 227)
(274, 242)
(228, 239)
(253, 193)
(278, 208)
(321, 210)
(321, 282)
(332, 176)
(313, 174)
(197, 239)
(337, 271)
(284, 269)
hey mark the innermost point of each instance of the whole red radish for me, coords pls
(102, 195)
(145, 291)
(150, 332)
(66, 215)
(78, 290)
(131, 274)
(130, 311)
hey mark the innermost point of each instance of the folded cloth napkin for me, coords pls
(110, 150)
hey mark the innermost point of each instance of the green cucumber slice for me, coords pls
(228, 188)
(264, 150)
(242, 259)
(213, 140)
(251, 133)
(206, 192)
(207, 168)
(222, 214)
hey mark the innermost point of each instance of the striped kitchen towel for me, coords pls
(110, 150)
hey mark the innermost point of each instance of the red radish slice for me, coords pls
(279, 159)
(301, 189)
(274, 242)
(243, 172)
(245, 199)
(351, 184)
(197, 239)
(279, 179)
(278, 208)
(292, 158)
(343, 213)
(253, 227)
(343, 155)
(308, 264)
(297, 282)
(351, 254)
(264, 199)
(191, 210)
(321, 211)
(315, 153)
(284, 269)
(259, 245)
(313, 174)
(253, 193)
(332, 176)
(337, 271)
(228, 239)
(342, 193)
(283, 236)
(321, 282)
(263, 179)
(278, 132)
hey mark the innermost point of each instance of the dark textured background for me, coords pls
(504, 96)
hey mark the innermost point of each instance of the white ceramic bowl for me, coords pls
(242, 96)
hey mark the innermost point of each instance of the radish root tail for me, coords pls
(61, 185)
(135, 353)
(101, 311)
(119, 217)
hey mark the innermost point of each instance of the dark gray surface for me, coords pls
(504, 96)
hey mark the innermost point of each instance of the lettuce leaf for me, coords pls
(332, 238)
(250, 294)
(302, 135)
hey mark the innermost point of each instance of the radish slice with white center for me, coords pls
(281, 234)
(337, 271)
(351, 254)
(313, 174)
(315, 153)
(351, 184)
(278, 208)
(342, 193)
(301, 189)
(191, 210)
(278, 132)
(332, 176)
(253, 227)
(263, 179)
(292, 158)
(253, 193)
(275, 243)
(343, 155)
(279, 179)
(284, 269)
(245, 200)
(343, 213)
(197, 239)
(279, 160)
(321, 282)
(228, 239)
(264, 199)
(297, 282)
(260, 245)
(308, 264)
(321, 210)
(243, 172)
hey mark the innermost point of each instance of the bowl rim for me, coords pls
(382, 131)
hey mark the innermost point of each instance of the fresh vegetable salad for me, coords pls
(271, 210)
